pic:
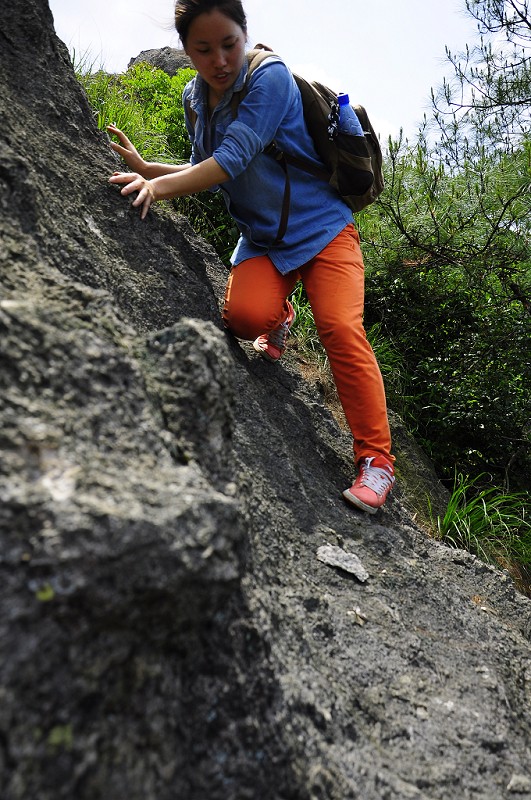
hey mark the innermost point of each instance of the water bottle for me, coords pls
(348, 121)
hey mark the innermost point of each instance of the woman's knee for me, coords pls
(242, 320)
(250, 318)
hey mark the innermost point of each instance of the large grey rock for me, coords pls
(167, 629)
(169, 59)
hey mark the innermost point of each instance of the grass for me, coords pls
(106, 97)
(304, 329)
(491, 524)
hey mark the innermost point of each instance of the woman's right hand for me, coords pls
(127, 150)
(136, 183)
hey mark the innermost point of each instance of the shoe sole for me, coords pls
(355, 501)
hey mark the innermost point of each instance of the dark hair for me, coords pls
(187, 10)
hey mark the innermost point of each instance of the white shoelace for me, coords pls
(375, 478)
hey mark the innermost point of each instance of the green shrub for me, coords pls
(464, 351)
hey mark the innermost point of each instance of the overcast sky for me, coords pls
(386, 54)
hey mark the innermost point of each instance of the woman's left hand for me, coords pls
(136, 183)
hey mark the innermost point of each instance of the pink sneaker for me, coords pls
(272, 345)
(374, 482)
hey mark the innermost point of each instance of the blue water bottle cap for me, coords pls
(343, 99)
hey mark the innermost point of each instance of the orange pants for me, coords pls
(255, 303)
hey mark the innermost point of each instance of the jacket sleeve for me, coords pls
(272, 94)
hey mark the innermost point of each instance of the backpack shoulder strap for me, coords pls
(192, 116)
(255, 58)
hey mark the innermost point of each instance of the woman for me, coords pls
(321, 245)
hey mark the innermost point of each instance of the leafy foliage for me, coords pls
(463, 334)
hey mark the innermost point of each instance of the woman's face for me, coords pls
(216, 47)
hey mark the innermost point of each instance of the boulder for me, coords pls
(169, 59)
(168, 626)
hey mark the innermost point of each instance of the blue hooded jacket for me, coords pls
(271, 110)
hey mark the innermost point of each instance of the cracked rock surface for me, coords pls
(167, 629)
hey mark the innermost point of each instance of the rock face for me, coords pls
(168, 59)
(166, 627)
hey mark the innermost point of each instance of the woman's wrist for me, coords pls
(147, 170)
(161, 188)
